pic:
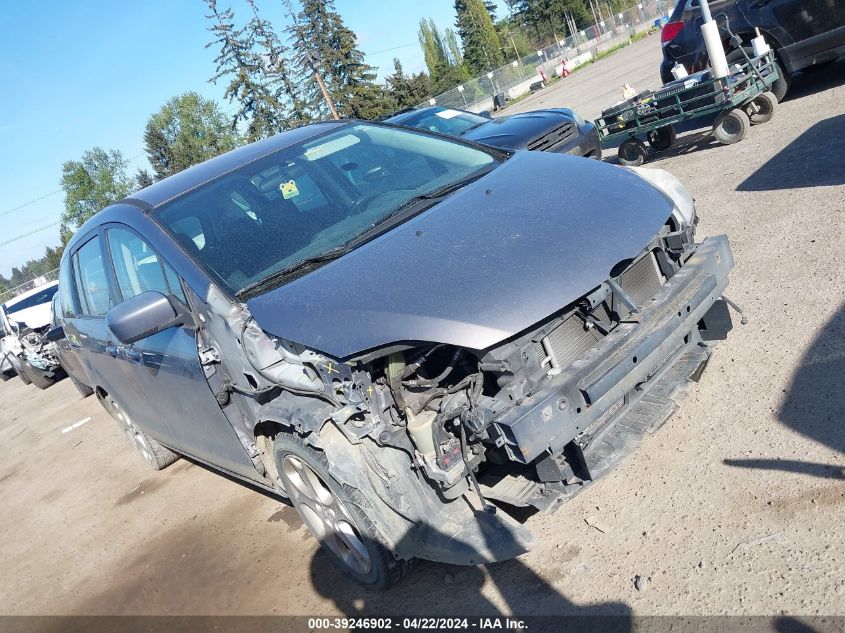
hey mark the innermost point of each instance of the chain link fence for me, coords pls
(526, 73)
(40, 280)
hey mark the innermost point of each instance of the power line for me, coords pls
(26, 204)
(33, 232)
(53, 193)
(395, 48)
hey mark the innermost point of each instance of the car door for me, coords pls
(87, 297)
(164, 378)
(804, 28)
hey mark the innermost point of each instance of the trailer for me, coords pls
(740, 100)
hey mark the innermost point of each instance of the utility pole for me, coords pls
(515, 51)
(312, 61)
(322, 85)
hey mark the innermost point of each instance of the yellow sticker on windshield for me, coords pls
(289, 189)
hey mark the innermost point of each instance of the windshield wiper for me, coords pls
(412, 207)
(277, 278)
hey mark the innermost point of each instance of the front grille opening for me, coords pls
(549, 141)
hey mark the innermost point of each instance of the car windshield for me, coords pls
(44, 295)
(314, 198)
(443, 120)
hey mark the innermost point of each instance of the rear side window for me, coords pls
(90, 277)
(138, 268)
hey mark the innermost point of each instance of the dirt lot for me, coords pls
(735, 506)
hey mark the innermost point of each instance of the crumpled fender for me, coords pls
(414, 522)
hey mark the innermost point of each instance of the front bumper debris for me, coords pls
(592, 414)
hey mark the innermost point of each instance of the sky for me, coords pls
(90, 73)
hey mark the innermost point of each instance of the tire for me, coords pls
(762, 108)
(37, 377)
(662, 138)
(83, 389)
(731, 126)
(780, 87)
(157, 455)
(334, 515)
(25, 379)
(632, 153)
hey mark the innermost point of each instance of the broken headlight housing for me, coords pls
(684, 211)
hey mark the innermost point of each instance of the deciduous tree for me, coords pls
(187, 130)
(95, 181)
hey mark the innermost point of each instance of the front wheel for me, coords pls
(731, 126)
(333, 514)
(37, 377)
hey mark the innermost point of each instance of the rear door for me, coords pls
(164, 378)
(805, 28)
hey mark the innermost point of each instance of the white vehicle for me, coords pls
(23, 322)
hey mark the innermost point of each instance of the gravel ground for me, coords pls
(735, 506)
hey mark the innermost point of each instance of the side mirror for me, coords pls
(486, 114)
(55, 334)
(141, 316)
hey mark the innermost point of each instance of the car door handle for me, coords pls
(132, 354)
(112, 350)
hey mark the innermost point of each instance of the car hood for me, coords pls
(492, 259)
(34, 318)
(515, 131)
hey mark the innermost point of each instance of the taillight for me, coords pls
(670, 31)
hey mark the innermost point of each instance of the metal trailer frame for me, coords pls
(732, 97)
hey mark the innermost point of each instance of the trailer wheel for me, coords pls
(632, 153)
(662, 138)
(761, 108)
(731, 126)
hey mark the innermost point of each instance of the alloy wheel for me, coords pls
(135, 435)
(325, 515)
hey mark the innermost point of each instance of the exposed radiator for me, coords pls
(566, 343)
(642, 280)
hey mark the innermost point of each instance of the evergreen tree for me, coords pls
(407, 90)
(143, 178)
(482, 51)
(95, 181)
(187, 130)
(260, 107)
(322, 41)
(278, 69)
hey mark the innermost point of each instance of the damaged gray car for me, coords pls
(406, 334)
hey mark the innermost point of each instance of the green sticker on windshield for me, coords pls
(289, 189)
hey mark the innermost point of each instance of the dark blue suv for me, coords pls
(801, 32)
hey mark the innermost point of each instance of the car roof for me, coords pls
(177, 184)
(174, 186)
